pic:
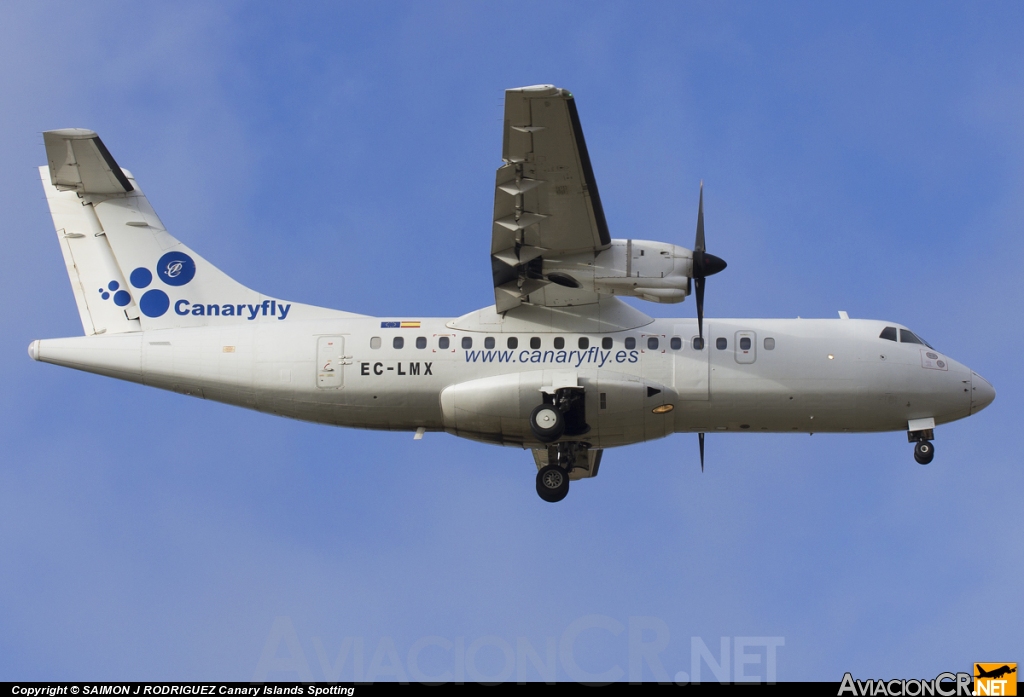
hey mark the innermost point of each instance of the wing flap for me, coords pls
(545, 197)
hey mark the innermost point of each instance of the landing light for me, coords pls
(663, 409)
(830, 356)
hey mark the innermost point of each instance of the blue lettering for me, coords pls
(284, 310)
(524, 356)
(178, 307)
(584, 355)
(229, 311)
(633, 355)
(198, 309)
(213, 310)
(535, 357)
(253, 311)
(560, 357)
(620, 357)
(605, 355)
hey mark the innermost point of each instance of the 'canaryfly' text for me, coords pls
(267, 308)
(593, 355)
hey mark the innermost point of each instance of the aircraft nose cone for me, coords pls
(982, 393)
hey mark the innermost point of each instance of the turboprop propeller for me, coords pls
(704, 265)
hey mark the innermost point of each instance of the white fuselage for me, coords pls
(810, 376)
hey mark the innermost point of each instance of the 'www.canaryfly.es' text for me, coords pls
(591, 356)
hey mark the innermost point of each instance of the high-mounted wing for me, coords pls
(546, 202)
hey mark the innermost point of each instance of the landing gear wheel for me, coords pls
(924, 451)
(547, 423)
(552, 483)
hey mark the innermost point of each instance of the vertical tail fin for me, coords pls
(127, 272)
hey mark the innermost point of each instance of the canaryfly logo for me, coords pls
(591, 356)
(176, 270)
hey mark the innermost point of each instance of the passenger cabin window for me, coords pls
(909, 337)
(559, 342)
(745, 343)
(467, 342)
(888, 333)
(697, 343)
(630, 342)
(676, 343)
(443, 342)
(535, 342)
(421, 342)
(375, 342)
(584, 342)
(398, 342)
(512, 342)
(606, 343)
(721, 343)
(489, 342)
(769, 344)
(652, 343)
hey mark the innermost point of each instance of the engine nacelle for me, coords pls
(655, 271)
(619, 408)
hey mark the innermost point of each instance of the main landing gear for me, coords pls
(561, 414)
(552, 483)
(562, 459)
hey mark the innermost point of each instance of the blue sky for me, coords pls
(862, 157)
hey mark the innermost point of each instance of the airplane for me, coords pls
(995, 673)
(559, 364)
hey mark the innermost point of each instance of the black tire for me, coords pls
(547, 423)
(552, 483)
(924, 451)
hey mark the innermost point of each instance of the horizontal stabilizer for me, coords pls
(80, 162)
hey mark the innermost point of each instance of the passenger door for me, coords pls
(330, 361)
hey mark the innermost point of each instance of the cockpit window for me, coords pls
(888, 333)
(909, 337)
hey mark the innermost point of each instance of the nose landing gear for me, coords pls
(924, 451)
(921, 432)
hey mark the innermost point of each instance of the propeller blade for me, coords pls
(700, 309)
(700, 438)
(704, 264)
(698, 246)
